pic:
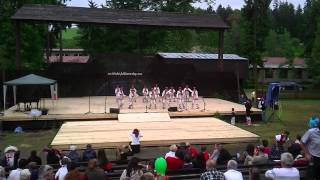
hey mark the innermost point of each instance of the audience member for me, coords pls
(63, 170)
(172, 151)
(187, 161)
(73, 155)
(298, 139)
(282, 138)
(191, 150)
(46, 173)
(34, 158)
(15, 174)
(249, 154)
(295, 148)
(266, 148)
(89, 153)
(25, 174)
(174, 163)
(73, 172)
(261, 157)
(232, 173)
(199, 161)
(93, 172)
(216, 151)
(254, 174)
(313, 122)
(224, 157)
(135, 140)
(103, 161)
(286, 172)
(123, 152)
(276, 151)
(205, 153)
(147, 176)
(53, 155)
(310, 144)
(9, 158)
(34, 170)
(211, 173)
(2, 173)
(133, 171)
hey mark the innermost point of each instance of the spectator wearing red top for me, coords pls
(191, 150)
(175, 163)
(266, 149)
(205, 153)
(103, 161)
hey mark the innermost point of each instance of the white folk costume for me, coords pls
(145, 93)
(157, 92)
(179, 97)
(152, 99)
(186, 94)
(132, 96)
(195, 97)
(165, 98)
(172, 92)
(119, 96)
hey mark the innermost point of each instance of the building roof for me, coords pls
(199, 56)
(69, 59)
(81, 15)
(30, 79)
(282, 62)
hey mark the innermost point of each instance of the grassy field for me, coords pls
(70, 38)
(294, 117)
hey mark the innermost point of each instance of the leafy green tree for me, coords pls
(314, 61)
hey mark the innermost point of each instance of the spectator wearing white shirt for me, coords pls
(15, 174)
(232, 173)
(172, 153)
(286, 172)
(63, 170)
(135, 140)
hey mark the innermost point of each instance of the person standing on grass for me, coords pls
(135, 140)
(310, 144)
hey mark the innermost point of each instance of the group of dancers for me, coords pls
(152, 96)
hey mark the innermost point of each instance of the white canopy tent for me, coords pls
(30, 79)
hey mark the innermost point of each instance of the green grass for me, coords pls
(70, 33)
(294, 117)
(70, 38)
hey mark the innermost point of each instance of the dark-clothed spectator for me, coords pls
(133, 171)
(34, 170)
(94, 172)
(187, 162)
(53, 155)
(34, 158)
(276, 152)
(103, 161)
(211, 173)
(73, 155)
(89, 153)
(46, 173)
(249, 154)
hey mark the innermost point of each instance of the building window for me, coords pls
(298, 73)
(269, 73)
(283, 74)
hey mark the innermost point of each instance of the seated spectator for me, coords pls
(133, 171)
(46, 173)
(295, 149)
(174, 163)
(34, 158)
(73, 155)
(15, 174)
(232, 173)
(147, 176)
(172, 150)
(286, 172)
(73, 172)
(254, 174)
(205, 153)
(93, 171)
(103, 161)
(211, 172)
(191, 150)
(266, 148)
(261, 157)
(53, 155)
(89, 153)
(34, 170)
(2, 173)
(10, 157)
(123, 152)
(25, 174)
(187, 162)
(276, 152)
(224, 157)
(282, 138)
(63, 170)
(199, 161)
(298, 139)
(249, 154)
(216, 151)
(313, 122)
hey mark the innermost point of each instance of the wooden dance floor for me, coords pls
(111, 134)
(78, 108)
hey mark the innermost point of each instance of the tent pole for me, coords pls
(4, 98)
(14, 95)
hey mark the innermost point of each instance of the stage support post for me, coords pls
(221, 49)
(238, 80)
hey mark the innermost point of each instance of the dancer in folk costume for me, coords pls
(145, 93)
(165, 97)
(179, 97)
(195, 97)
(158, 92)
(119, 96)
(186, 95)
(172, 92)
(152, 98)
(132, 96)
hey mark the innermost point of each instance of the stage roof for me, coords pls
(103, 16)
(31, 79)
(199, 56)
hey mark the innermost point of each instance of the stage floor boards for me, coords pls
(111, 134)
(78, 107)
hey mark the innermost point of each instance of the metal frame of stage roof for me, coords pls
(109, 17)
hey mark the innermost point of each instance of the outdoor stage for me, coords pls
(112, 134)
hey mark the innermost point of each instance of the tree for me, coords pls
(314, 61)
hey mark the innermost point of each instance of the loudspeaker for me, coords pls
(172, 109)
(114, 110)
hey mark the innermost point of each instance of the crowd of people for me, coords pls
(152, 96)
(289, 153)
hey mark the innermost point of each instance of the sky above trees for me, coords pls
(235, 4)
